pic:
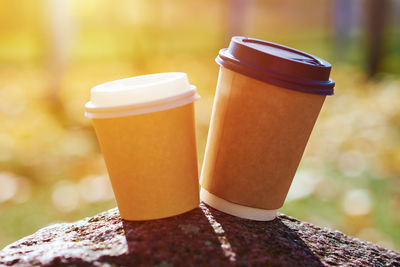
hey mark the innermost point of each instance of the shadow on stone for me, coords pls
(207, 236)
(186, 238)
(254, 242)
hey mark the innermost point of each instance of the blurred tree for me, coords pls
(59, 30)
(376, 22)
(239, 12)
(346, 22)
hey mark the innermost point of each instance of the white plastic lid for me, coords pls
(140, 94)
(236, 209)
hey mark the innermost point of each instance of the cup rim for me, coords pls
(277, 64)
(177, 100)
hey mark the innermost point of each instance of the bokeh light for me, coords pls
(8, 187)
(52, 52)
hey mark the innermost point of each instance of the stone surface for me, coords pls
(201, 237)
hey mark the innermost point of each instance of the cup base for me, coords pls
(236, 209)
(133, 216)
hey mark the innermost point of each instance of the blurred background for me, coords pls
(52, 52)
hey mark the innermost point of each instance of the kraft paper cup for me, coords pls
(145, 127)
(258, 132)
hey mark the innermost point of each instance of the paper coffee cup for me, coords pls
(267, 101)
(145, 127)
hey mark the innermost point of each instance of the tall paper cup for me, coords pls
(267, 101)
(145, 127)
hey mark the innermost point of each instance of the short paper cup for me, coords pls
(145, 127)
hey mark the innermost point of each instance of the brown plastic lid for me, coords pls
(278, 65)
